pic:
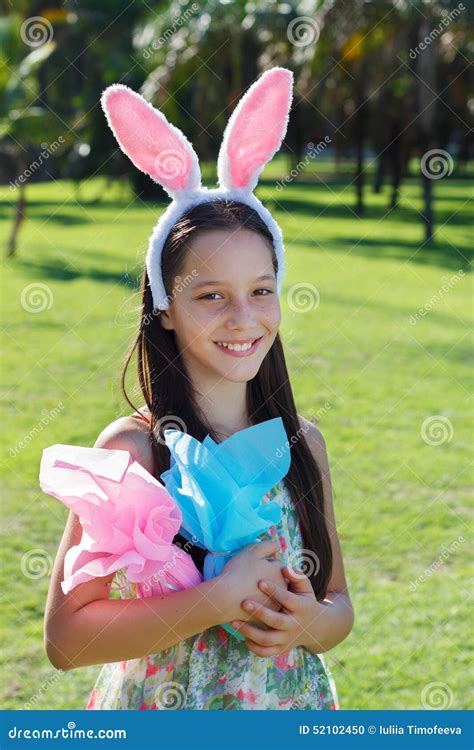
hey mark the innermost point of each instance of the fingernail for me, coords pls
(264, 586)
(248, 606)
(235, 625)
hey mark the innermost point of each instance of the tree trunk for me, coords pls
(20, 208)
(379, 174)
(427, 207)
(427, 108)
(359, 138)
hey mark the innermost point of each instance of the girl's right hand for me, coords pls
(241, 574)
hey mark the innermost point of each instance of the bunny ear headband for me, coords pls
(253, 135)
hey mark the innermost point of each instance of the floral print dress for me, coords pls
(213, 670)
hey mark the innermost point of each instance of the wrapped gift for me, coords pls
(219, 488)
(128, 520)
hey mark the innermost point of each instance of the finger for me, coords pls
(264, 651)
(299, 582)
(262, 637)
(275, 620)
(265, 549)
(287, 599)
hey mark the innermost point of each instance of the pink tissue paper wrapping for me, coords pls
(128, 520)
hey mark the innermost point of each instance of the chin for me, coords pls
(244, 378)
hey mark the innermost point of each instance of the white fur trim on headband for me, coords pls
(175, 211)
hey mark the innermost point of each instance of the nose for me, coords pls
(240, 316)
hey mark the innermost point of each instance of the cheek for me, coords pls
(273, 316)
(198, 325)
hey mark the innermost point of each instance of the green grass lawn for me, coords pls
(401, 500)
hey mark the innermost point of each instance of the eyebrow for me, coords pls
(213, 282)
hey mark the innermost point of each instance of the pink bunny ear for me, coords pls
(151, 143)
(255, 130)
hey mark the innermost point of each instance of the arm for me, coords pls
(85, 627)
(106, 630)
(333, 623)
(303, 621)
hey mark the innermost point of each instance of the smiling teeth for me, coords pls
(236, 347)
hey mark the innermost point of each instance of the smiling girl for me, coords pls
(212, 362)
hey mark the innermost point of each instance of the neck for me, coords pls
(224, 407)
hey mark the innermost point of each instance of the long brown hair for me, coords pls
(168, 393)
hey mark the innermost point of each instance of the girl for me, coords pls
(211, 360)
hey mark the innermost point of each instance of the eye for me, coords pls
(210, 294)
(206, 296)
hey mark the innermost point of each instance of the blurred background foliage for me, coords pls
(360, 79)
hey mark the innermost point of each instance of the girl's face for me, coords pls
(226, 293)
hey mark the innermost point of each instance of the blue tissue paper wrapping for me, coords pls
(219, 487)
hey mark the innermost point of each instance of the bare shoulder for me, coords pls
(143, 413)
(314, 438)
(317, 446)
(132, 435)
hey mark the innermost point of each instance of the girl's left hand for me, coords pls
(287, 628)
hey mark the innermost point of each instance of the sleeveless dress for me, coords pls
(213, 670)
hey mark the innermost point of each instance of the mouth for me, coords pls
(246, 347)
